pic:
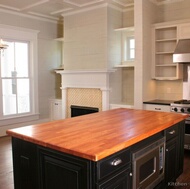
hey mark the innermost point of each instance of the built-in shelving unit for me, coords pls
(165, 40)
(126, 70)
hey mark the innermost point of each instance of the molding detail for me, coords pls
(76, 2)
(161, 2)
(123, 4)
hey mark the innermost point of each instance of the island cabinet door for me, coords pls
(60, 171)
(25, 165)
(172, 163)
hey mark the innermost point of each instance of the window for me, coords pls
(129, 49)
(15, 78)
(18, 76)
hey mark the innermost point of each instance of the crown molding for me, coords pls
(85, 9)
(29, 16)
(35, 4)
(97, 7)
(123, 4)
(19, 28)
(164, 2)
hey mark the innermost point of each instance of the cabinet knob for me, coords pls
(116, 162)
(172, 132)
(130, 174)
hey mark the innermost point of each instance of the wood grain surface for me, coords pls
(98, 135)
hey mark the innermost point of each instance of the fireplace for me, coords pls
(88, 88)
(82, 110)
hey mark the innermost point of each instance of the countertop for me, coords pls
(98, 135)
(159, 102)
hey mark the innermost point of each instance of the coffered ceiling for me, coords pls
(56, 9)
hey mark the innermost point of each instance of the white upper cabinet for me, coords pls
(164, 43)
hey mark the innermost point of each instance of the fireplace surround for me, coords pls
(96, 82)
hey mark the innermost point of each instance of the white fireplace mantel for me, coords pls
(85, 79)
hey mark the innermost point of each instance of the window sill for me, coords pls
(19, 119)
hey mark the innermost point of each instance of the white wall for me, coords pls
(49, 57)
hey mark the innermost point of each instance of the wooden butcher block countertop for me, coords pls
(98, 135)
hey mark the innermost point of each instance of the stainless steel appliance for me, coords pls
(148, 165)
(183, 106)
(182, 51)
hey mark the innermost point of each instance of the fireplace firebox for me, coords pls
(82, 110)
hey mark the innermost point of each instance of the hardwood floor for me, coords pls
(183, 181)
(6, 168)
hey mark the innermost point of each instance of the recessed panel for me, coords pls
(19, 4)
(82, 3)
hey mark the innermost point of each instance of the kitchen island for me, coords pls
(91, 151)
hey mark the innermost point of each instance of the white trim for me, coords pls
(34, 4)
(4, 128)
(84, 4)
(165, 2)
(91, 79)
(3, 26)
(85, 9)
(9, 7)
(61, 10)
(123, 4)
(128, 9)
(83, 71)
(42, 15)
(17, 33)
(96, 7)
(28, 16)
(18, 119)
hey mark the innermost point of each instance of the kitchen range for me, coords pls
(183, 106)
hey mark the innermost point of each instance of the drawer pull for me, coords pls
(172, 132)
(116, 162)
(157, 108)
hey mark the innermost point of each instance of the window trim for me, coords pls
(23, 34)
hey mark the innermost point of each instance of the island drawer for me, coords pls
(113, 163)
(172, 132)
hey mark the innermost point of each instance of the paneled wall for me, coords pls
(174, 11)
(85, 40)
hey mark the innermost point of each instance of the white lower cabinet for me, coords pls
(55, 109)
(157, 107)
(114, 106)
